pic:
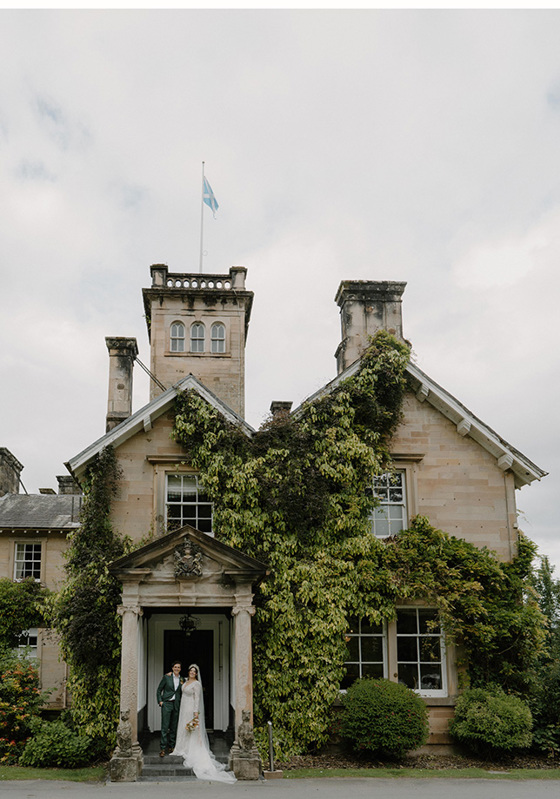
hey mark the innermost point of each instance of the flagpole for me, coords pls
(201, 217)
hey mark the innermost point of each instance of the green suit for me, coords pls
(171, 700)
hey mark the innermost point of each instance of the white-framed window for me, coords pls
(367, 651)
(218, 337)
(187, 503)
(177, 337)
(197, 337)
(27, 561)
(421, 651)
(27, 644)
(390, 516)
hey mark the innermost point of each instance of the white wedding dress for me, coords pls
(192, 745)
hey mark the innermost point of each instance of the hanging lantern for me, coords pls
(188, 624)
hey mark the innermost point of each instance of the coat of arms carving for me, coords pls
(188, 560)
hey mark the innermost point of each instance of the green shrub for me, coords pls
(545, 708)
(384, 717)
(20, 701)
(57, 745)
(491, 721)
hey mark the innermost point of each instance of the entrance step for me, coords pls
(158, 768)
(170, 767)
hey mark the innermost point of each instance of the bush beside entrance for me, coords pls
(384, 717)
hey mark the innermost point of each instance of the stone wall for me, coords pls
(454, 481)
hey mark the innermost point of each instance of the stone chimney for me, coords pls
(280, 408)
(366, 306)
(67, 484)
(10, 470)
(122, 353)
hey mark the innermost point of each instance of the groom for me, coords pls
(169, 699)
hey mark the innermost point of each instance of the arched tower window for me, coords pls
(197, 337)
(218, 337)
(177, 337)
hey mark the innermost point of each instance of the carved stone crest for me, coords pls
(188, 560)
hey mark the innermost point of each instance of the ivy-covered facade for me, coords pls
(370, 531)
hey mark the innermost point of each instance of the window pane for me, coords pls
(205, 525)
(395, 526)
(352, 674)
(408, 675)
(430, 677)
(372, 670)
(353, 650)
(427, 619)
(407, 650)
(430, 650)
(406, 621)
(372, 649)
(367, 627)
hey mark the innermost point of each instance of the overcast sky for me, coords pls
(405, 145)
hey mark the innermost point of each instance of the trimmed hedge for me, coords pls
(384, 717)
(57, 745)
(489, 720)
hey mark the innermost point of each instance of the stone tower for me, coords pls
(366, 306)
(197, 324)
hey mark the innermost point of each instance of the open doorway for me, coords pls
(197, 648)
(208, 646)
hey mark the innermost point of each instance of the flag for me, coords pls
(209, 199)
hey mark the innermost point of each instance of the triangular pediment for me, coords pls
(187, 554)
(144, 419)
(467, 424)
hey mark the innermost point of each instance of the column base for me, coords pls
(246, 765)
(126, 768)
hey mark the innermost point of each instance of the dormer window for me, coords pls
(218, 337)
(177, 337)
(197, 337)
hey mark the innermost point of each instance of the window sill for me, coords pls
(169, 354)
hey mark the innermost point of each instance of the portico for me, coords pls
(185, 574)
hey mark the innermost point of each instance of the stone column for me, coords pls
(244, 757)
(243, 660)
(127, 767)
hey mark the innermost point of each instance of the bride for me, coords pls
(192, 741)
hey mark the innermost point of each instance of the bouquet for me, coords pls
(191, 725)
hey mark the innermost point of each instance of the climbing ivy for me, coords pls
(84, 613)
(298, 496)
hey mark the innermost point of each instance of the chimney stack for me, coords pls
(122, 353)
(67, 484)
(366, 306)
(10, 470)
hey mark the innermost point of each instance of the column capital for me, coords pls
(237, 609)
(136, 609)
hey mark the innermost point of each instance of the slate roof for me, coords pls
(40, 511)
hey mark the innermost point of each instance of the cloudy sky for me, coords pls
(406, 145)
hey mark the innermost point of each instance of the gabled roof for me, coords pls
(40, 511)
(145, 417)
(234, 563)
(427, 390)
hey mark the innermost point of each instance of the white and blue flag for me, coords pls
(209, 199)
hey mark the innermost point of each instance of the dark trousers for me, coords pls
(169, 719)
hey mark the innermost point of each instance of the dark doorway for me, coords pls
(197, 648)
